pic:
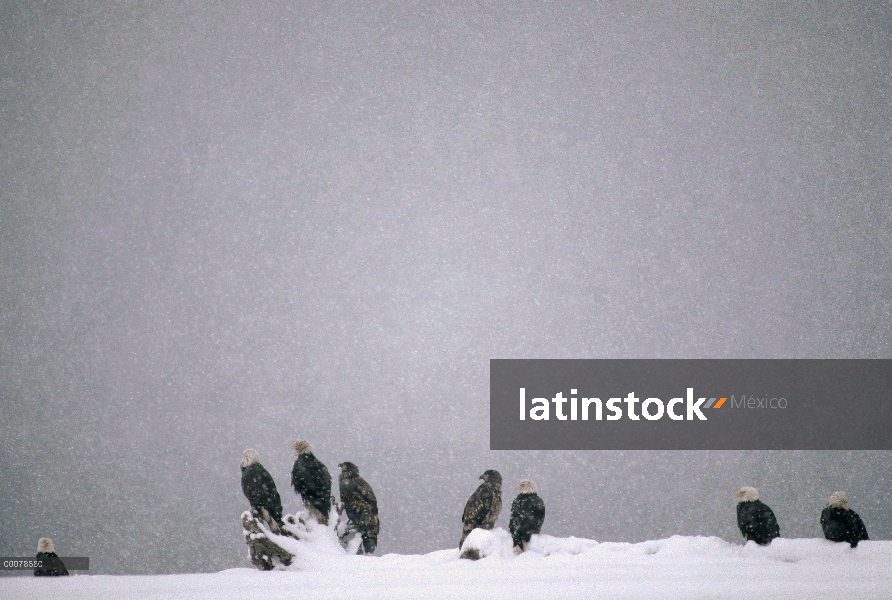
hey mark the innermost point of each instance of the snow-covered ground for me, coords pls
(678, 567)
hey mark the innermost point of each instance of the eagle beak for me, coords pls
(738, 495)
(517, 487)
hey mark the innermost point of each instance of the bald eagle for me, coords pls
(755, 519)
(310, 479)
(840, 523)
(51, 564)
(260, 489)
(360, 504)
(484, 505)
(527, 515)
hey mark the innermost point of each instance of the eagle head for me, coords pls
(45, 545)
(249, 458)
(747, 494)
(838, 500)
(492, 476)
(302, 447)
(526, 486)
(348, 469)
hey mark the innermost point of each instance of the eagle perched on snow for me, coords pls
(259, 487)
(755, 519)
(361, 505)
(483, 506)
(51, 565)
(840, 523)
(311, 479)
(527, 515)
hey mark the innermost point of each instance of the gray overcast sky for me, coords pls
(233, 225)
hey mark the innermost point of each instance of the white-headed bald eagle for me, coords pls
(755, 519)
(840, 523)
(50, 563)
(311, 479)
(527, 515)
(259, 487)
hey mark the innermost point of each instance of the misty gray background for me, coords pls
(229, 226)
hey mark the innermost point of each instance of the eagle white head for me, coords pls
(838, 500)
(747, 494)
(526, 486)
(250, 457)
(302, 447)
(45, 545)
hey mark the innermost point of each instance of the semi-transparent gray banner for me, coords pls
(655, 404)
(30, 563)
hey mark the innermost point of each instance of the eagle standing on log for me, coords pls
(755, 519)
(260, 489)
(361, 505)
(483, 506)
(311, 479)
(527, 515)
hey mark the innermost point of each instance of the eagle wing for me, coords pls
(260, 489)
(311, 479)
(757, 521)
(361, 505)
(482, 508)
(527, 514)
(859, 531)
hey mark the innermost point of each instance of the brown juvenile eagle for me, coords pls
(483, 506)
(312, 481)
(360, 504)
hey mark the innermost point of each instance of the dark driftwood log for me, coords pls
(471, 554)
(263, 549)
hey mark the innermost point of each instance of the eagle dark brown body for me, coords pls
(484, 505)
(360, 505)
(311, 479)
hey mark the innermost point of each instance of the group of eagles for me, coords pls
(757, 522)
(312, 481)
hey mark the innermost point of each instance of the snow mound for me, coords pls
(488, 543)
